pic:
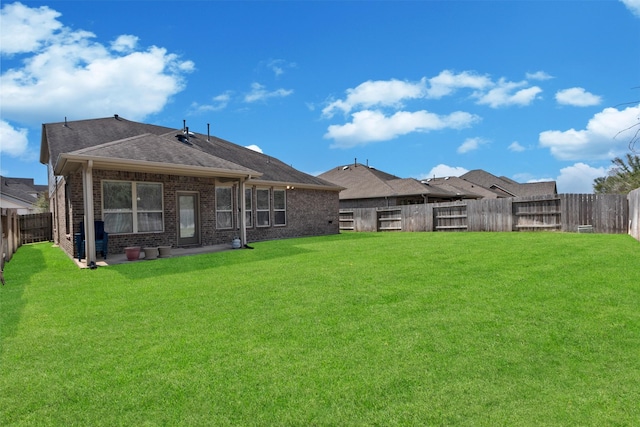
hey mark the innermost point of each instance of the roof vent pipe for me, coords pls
(207, 132)
(115, 116)
(187, 134)
(184, 125)
(65, 121)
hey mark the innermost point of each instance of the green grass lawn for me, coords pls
(354, 329)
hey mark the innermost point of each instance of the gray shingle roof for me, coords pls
(22, 189)
(362, 182)
(136, 141)
(507, 186)
(158, 149)
(459, 187)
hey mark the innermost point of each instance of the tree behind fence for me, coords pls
(601, 213)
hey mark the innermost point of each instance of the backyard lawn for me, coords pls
(476, 329)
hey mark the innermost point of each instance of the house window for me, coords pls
(279, 207)
(248, 207)
(224, 209)
(262, 207)
(132, 207)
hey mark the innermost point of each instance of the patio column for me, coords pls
(89, 226)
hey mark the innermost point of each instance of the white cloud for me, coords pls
(260, 93)
(505, 94)
(578, 97)
(539, 75)
(279, 66)
(516, 147)
(578, 178)
(14, 140)
(67, 73)
(124, 43)
(26, 29)
(375, 94)
(633, 6)
(447, 82)
(443, 170)
(606, 136)
(220, 102)
(372, 125)
(471, 144)
(254, 148)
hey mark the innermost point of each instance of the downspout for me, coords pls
(89, 226)
(243, 212)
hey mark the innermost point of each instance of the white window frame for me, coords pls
(262, 210)
(134, 206)
(277, 210)
(228, 211)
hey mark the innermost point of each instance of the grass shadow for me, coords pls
(262, 251)
(28, 261)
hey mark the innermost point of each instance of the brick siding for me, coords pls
(309, 212)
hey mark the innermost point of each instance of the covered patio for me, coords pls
(121, 258)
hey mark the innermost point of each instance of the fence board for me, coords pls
(36, 228)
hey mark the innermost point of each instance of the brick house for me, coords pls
(158, 186)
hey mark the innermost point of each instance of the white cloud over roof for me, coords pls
(373, 125)
(443, 170)
(260, 93)
(578, 178)
(376, 93)
(378, 108)
(471, 144)
(606, 136)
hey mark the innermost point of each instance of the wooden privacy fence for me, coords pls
(10, 230)
(600, 213)
(36, 228)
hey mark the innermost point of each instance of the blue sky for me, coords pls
(532, 90)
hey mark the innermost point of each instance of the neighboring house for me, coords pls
(367, 187)
(509, 187)
(158, 186)
(20, 194)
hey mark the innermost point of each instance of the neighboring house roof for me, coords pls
(460, 187)
(509, 187)
(362, 182)
(19, 192)
(118, 143)
(365, 182)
